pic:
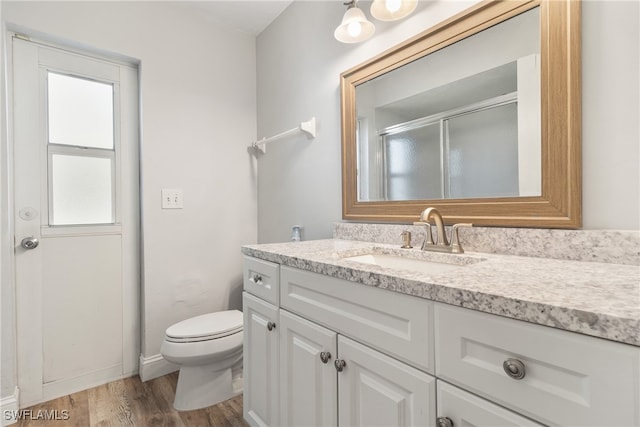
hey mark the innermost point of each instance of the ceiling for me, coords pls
(249, 16)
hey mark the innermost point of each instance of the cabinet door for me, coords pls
(260, 362)
(308, 380)
(466, 409)
(376, 390)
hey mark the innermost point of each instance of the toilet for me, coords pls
(208, 349)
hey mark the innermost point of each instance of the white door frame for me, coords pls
(131, 235)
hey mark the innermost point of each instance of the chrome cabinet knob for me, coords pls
(257, 278)
(271, 326)
(514, 368)
(29, 242)
(339, 364)
(444, 422)
(325, 356)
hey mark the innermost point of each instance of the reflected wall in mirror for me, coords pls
(478, 116)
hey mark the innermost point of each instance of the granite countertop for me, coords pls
(592, 298)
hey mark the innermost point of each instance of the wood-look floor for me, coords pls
(130, 402)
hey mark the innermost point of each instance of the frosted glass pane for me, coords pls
(80, 112)
(412, 162)
(82, 190)
(488, 168)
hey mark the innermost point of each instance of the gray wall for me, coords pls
(299, 63)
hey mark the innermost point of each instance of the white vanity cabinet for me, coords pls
(261, 343)
(318, 321)
(330, 380)
(340, 350)
(346, 354)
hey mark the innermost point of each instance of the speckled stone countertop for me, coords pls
(592, 298)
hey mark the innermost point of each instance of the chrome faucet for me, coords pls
(441, 244)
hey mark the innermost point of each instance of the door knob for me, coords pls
(29, 242)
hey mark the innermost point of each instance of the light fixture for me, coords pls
(354, 26)
(392, 10)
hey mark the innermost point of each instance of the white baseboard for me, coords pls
(9, 406)
(155, 366)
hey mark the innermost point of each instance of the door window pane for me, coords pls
(80, 112)
(82, 190)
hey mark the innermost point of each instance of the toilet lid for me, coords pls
(207, 326)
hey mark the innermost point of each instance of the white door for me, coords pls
(309, 382)
(377, 390)
(76, 198)
(260, 365)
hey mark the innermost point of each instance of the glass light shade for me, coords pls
(354, 27)
(392, 10)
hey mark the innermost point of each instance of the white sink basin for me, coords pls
(404, 263)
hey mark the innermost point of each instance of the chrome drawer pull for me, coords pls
(514, 368)
(325, 356)
(444, 422)
(339, 364)
(271, 326)
(257, 279)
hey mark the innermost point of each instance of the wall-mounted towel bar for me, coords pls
(308, 127)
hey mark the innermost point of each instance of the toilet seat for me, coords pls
(206, 327)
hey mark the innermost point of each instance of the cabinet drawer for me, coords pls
(570, 379)
(466, 409)
(396, 324)
(261, 278)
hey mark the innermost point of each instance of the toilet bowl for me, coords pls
(208, 350)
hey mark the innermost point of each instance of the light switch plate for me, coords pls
(171, 199)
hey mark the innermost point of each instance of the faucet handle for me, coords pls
(456, 247)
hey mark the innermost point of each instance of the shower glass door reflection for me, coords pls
(444, 159)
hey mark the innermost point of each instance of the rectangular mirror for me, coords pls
(478, 116)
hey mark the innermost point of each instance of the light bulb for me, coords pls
(393, 5)
(392, 10)
(354, 29)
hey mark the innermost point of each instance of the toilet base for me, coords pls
(201, 386)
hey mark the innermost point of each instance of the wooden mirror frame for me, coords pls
(560, 205)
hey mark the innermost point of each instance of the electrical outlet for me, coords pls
(171, 199)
